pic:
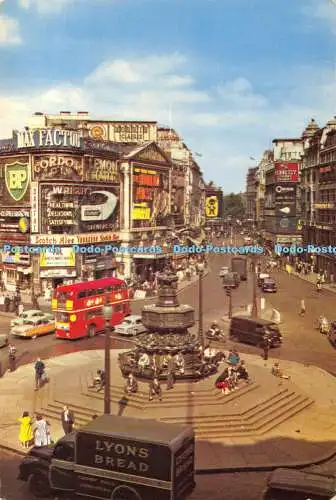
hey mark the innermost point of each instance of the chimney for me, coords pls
(65, 113)
(82, 113)
(38, 113)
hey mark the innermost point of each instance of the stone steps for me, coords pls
(175, 399)
(257, 422)
(83, 415)
(265, 404)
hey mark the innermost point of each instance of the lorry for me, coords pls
(115, 458)
(239, 265)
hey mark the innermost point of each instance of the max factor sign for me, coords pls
(47, 138)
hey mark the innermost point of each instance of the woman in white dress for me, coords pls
(41, 434)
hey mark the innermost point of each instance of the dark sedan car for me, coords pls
(269, 286)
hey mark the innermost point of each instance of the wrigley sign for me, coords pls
(47, 138)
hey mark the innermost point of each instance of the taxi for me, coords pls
(33, 328)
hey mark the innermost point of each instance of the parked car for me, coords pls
(261, 278)
(269, 285)
(332, 333)
(3, 340)
(33, 328)
(131, 326)
(252, 331)
(223, 271)
(32, 314)
(284, 484)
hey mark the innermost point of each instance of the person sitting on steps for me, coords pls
(131, 386)
(233, 358)
(277, 372)
(243, 373)
(98, 381)
(143, 362)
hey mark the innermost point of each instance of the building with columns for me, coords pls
(319, 194)
(251, 193)
(282, 193)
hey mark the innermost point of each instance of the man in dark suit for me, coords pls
(68, 420)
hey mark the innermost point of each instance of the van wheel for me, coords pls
(234, 338)
(39, 485)
(91, 331)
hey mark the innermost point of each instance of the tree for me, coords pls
(234, 206)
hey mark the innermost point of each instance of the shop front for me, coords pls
(16, 271)
(57, 268)
(98, 266)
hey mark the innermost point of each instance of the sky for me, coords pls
(228, 75)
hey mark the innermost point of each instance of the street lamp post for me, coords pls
(107, 362)
(254, 312)
(200, 268)
(229, 294)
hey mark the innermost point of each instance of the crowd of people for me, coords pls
(231, 376)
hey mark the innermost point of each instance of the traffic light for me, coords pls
(228, 292)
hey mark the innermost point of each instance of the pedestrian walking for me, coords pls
(67, 419)
(302, 308)
(39, 373)
(266, 346)
(11, 358)
(26, 430)
(155, 390)
(20, 309)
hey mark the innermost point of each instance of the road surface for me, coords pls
(302, 342)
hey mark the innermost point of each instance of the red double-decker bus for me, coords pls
(78, 308)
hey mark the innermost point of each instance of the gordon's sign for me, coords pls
(47, 138)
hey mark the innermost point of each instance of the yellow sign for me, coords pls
(65, 257)
(23, 225)
(97, 132)
(141, 213)
(211, 206)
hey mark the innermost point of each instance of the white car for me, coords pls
(131, 326)
(31, 315)
(223, 271)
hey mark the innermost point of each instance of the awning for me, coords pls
(25, 270)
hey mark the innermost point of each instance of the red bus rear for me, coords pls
(78, 308)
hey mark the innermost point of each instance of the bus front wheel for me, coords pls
(91, 331)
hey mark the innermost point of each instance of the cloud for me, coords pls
(239, 93)
(323, 10)
(47, 6)
(227, 122)
(9, 31)
(52, 7)
(143, 70)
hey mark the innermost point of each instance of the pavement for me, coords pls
(312, 278)
(307, 437)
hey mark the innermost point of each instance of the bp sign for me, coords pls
(17, 179)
